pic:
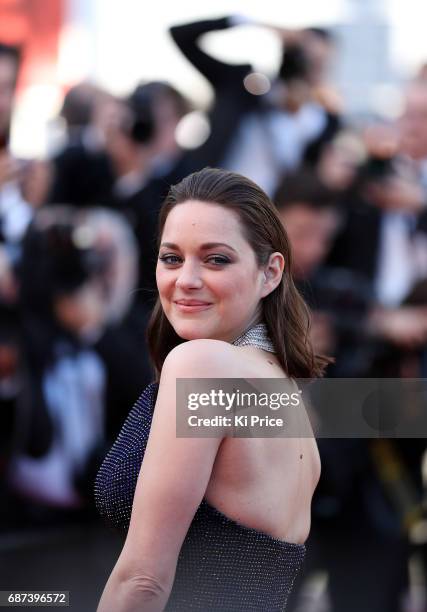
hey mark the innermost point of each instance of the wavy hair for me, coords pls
(283, 310)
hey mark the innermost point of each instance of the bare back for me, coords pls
(266, 483)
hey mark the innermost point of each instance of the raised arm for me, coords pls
(187, 38)
(174, 476)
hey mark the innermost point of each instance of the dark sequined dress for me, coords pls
(223, 566)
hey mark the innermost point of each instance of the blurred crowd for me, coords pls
(77, 282)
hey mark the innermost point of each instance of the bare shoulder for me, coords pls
(202, 358)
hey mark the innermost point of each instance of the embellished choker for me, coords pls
(256, 336)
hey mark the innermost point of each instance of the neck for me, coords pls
(257, 336)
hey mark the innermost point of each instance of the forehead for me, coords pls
(196, 219)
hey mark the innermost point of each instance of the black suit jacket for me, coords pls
(81, 177)
(232, 100)
(357, 244)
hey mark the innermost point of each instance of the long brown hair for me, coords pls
(283, 310)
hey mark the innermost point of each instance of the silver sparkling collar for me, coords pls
(256, 336)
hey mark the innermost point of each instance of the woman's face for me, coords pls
(208, 278)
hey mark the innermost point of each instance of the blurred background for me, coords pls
(104, 105)
(381, 44)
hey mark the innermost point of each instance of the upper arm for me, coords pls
(174, 476)
(186, 37)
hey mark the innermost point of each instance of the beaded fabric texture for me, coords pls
(256, 336)
(222, 566)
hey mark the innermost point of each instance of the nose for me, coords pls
(189, 276)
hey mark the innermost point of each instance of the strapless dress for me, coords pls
(223, 566)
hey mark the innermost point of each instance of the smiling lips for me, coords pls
(191, 305)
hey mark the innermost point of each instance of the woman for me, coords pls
(216, 523)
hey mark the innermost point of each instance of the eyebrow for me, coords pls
(203, 247)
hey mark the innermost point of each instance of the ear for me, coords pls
(273, 272)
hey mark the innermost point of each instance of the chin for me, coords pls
(191, 334)
(193, 330)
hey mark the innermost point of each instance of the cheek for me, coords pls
(164, 280)
(239, 288)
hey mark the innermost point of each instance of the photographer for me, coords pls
(260, 129)
(359, 515)
(340, 299)
(23, 183)
(77, 273)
